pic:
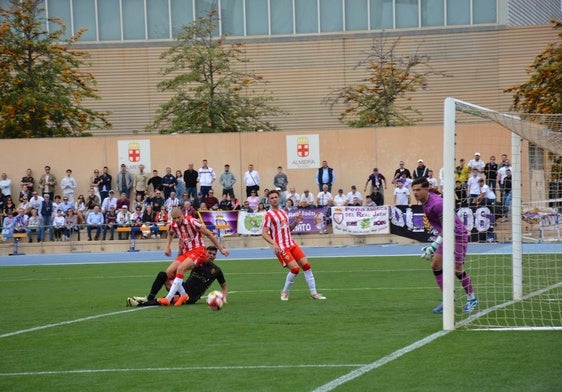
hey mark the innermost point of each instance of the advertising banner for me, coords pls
(250, 223)
(314, 220)
(360, 220)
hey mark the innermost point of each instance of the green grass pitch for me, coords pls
(66, 328)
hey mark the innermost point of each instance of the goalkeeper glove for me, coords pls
(429, 251)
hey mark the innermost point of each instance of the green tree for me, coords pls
(390, 77)
(542, 93)
(41, 84)
(211, 93)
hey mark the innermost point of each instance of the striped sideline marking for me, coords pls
(381, 362)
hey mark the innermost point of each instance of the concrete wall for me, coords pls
(351, 152)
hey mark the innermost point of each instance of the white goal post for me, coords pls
(520, 289)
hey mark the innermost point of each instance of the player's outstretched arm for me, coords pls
(207, 233)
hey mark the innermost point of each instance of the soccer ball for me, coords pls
(215, 300)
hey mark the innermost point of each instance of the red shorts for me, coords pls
(197, 255)
(289, 254)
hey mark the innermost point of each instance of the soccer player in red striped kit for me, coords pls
(277, 232)
(193, 253)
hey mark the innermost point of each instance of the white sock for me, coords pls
(310, 280)
(289, 280)
(176, 284)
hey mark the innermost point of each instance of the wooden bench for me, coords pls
(17, 237)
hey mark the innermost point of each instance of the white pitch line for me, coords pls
(378, 363)
(174, 369)
(6, 335)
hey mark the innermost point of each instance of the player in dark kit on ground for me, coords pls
(198, 282)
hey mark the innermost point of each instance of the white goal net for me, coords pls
(513, 216)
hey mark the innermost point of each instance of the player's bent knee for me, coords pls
(295, 270)
(306, 266)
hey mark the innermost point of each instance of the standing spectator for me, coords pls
(205, 178)
(68, 185)
(180, 184)
(502, 173)
(190, 178)
(462, 172)
(377, 197)
(47, 182)
(47, 211)
(377, 180)
(140, 181)
(28, 181)
(324, 198)
(473, 187)
(155, 181)
(401, 194)
(325, 175)
(251, 180)
(354, 194)
(35, 224)
(401, 170)
(168, 183)
(277, 233)
(506, 201)
(420, 171)
(110, 220)
(491, 173)
(105, 184)
(95, 183)
(461, 199)
(124, 181)
(5, 184)
(476, 163)
(280, 181)
(110, 200)
(95, 221)
(227, 180)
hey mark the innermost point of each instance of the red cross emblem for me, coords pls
(303, 150)
(134, 155)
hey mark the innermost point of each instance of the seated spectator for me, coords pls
(211, 200)
(25, 204)
(265, 198)
(71, 225)
(123, 220)
(139, 201)
(253, 199)
(58, 225)
(110, 219)
(355, 202)
(8, 225)
(324, 197)
(188, 209)
(161, 217)
(95, 221)
(307, 200)
(340, 199)
(369, 202)
(157, 199)
(81, 209)
(136, 222)
(20, 223)
(487, 197)
(294, 196)
(354, 194)
(122, 201)
(261, 207)
(246, 207)
(203, 207)
(461, 199)
(225, 204)
(35, 225)
(66, 204)
(289, 206)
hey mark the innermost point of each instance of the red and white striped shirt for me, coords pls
(277, 222)
(188, 233)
